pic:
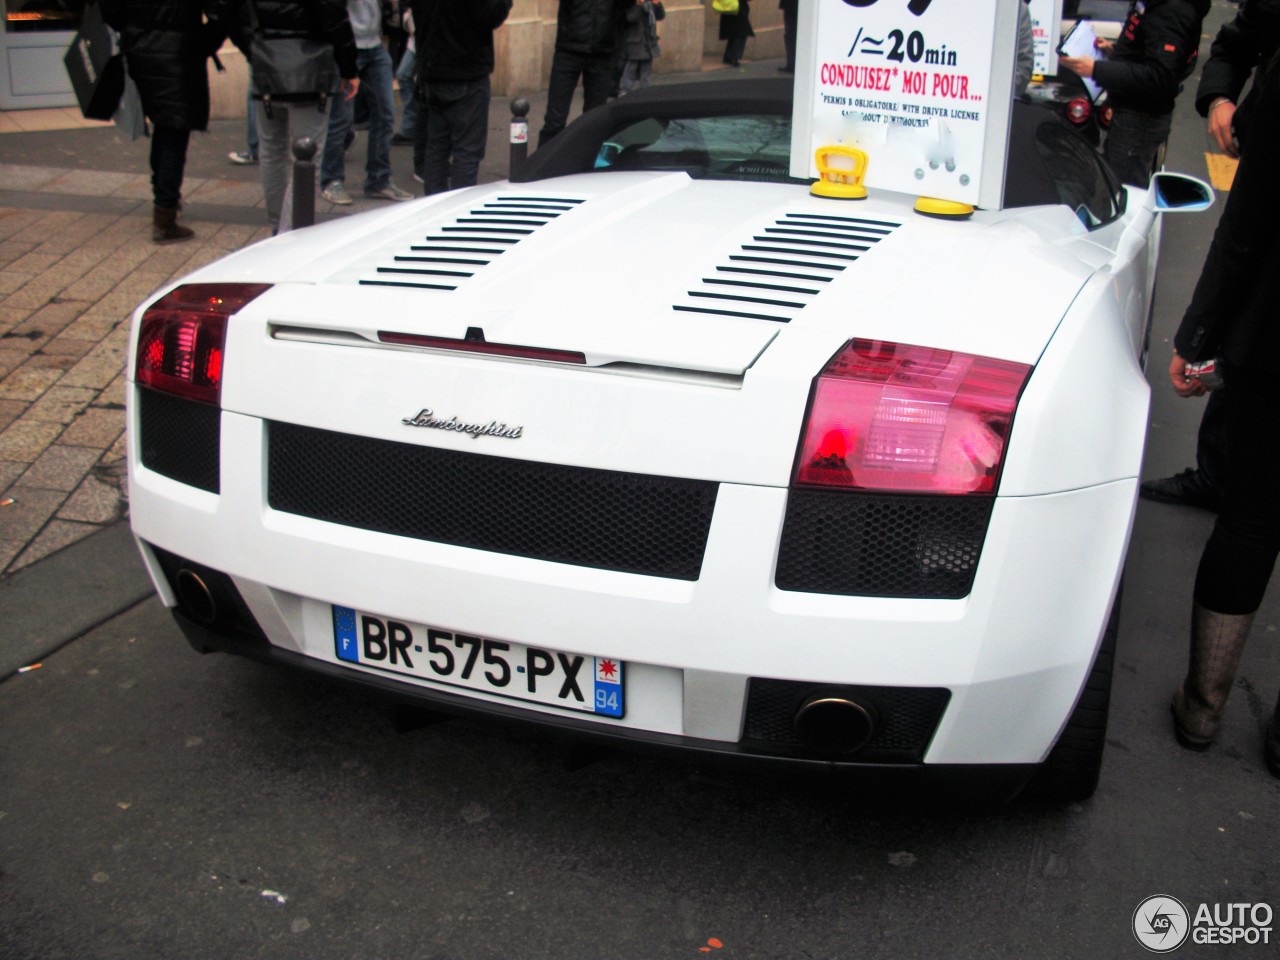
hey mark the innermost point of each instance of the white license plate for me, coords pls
(568, 680)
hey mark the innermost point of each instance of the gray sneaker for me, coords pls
(389, 192)
(336, 192)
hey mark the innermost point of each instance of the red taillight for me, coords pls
(182, 334)
(1105, 114)
(1078, 110)
(906, 419)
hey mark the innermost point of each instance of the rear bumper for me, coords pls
(988, 783)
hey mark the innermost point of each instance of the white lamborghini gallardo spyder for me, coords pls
(656, 447)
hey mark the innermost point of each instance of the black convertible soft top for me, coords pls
(1027, 183)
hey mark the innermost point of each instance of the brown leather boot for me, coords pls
(1273, 742)
(1217, 641)
(165, 227)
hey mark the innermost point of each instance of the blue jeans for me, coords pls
(373, 66)
(407, 75)
(1133, 143)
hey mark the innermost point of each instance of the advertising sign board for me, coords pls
(922, 87)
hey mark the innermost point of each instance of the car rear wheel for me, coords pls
(1072, 768)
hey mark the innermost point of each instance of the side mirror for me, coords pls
(1179, 193)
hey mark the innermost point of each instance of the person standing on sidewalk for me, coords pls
(455, 57)
(587, 34)
(1232, 316)
(790, 21)
(166, 44)
(735, 29)
(640, 44)
(1247, 41)
(373, 67)
(1142, 72)
(321, 21)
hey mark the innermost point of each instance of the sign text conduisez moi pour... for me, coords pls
(922, 86)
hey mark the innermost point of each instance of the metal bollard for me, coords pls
(519, 139)
(304, 183)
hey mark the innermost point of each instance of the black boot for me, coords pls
(165, 228)
(1188, 488)
(1217, 641)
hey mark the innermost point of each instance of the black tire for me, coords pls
(1071, 771)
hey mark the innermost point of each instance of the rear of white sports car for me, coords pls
(701, 464)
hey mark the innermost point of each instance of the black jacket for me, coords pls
(1155, 53)
(454, 38)
(1241, 45)
(322, 20)
(737, 24)
(167, 44)
(1233, 309)
(590, 26)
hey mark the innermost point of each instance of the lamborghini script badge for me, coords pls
(426, 418)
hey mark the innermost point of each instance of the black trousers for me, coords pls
(1236, 564)
(168, 164)
(599, 74)
(457, 122)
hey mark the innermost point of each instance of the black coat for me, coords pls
(1155, 53)
(454, 41)
(590, 26)
(733, 25)
(1233, 311)
(322, 20)
(166, 45)
(1246, 42)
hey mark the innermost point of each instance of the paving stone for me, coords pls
(21, 176)
(94, 501)
(56, 535)
(28, 382)
(61, 467)
(11, 250)
(10, 471)
(29, 512)
(13, 222)
(88, 183)
(63, 347)
(34, 263)
(61, 404)
(52, 318)
(11, 281)
(96, 427)
(91, 325)
(8, 550)
(26, 440)
(10, 410)
(92, 371)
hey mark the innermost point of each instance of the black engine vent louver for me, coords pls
(456, 249)
(783, 267)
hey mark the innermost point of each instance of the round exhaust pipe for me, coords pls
(834, 725)
(195, 596)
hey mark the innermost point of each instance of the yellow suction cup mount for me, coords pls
(943, 209)
(840, 173)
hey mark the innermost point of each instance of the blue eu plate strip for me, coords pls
(344, 634)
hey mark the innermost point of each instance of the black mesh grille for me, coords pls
(180, 438)
(873, 545)
(906, 718)
(592, 518)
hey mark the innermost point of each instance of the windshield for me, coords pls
(742, 147)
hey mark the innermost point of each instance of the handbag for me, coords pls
(130, 117)
(95, 66)
(289, 69)
(725, 6)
